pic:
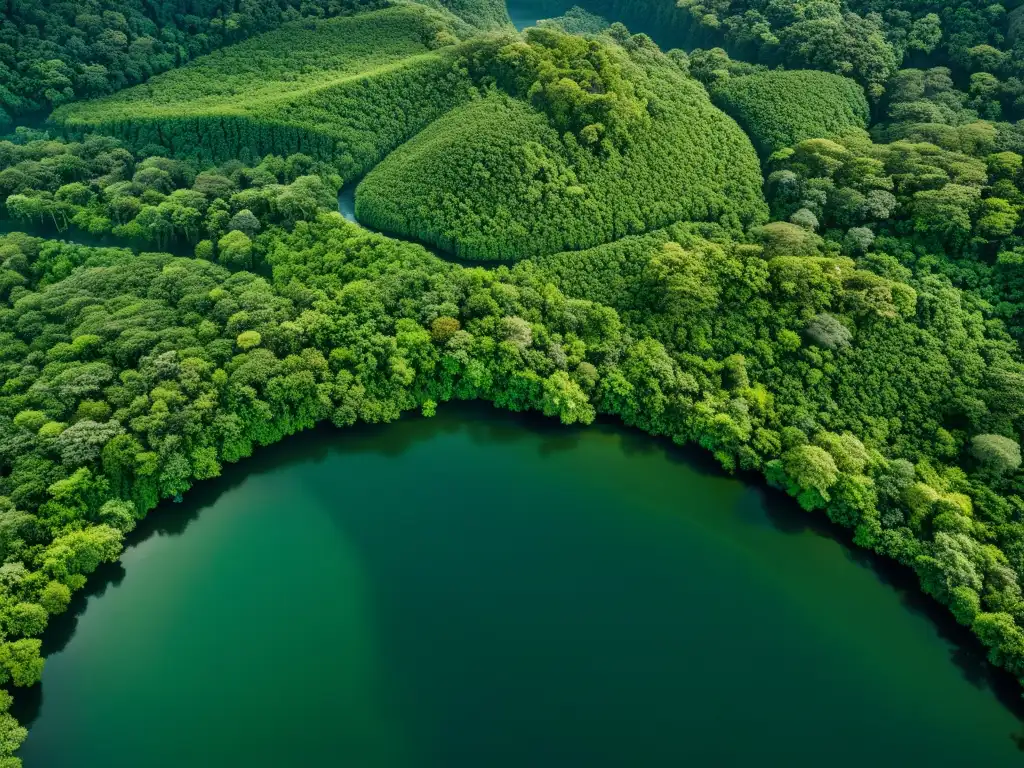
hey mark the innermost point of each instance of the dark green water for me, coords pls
(526, 13)
(484, 590)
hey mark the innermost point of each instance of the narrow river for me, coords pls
(487, 590)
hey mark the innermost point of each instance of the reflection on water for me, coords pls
(523, 594)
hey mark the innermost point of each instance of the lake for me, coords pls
(482, 589)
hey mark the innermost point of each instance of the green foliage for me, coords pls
(98, 188)
(827, 36)
(249, 339)
(577, 21)
(780, 108)
(691, 342)
(494, 180)
(26, 619)
(94, 47)
(483, 14)
(11, 734)
(929, 208)
(20, 662)
(812, 468)
(235, 250)
(999, 455)
(347, 90)
(586, 86)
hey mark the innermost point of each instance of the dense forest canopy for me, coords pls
(781, 107)
(346, 90)
(868, 40)
(604, 142)
(53, 52)
(841, 314)
(482, 14)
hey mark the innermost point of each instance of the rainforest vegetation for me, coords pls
(602, 142)
(347, 90)
(781, 107)
(797, 244)
(53, 52)
(99, 187)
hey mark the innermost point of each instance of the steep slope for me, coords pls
(483, 14)
(346, 90)
(52, 52)
(780, 108)
(577, 143)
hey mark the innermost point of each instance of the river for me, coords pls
(481, 589)
(526, 13)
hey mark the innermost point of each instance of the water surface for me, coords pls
(486, 590)
(526, 13)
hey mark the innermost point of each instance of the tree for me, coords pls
(118, 514)
(11, 734)
(804, 218)
(812, 468)
(82, 442)
(998, 219)
(517, 330)
(996, 454)
(828, 331)
(925, 33)
(945, 214)
(681, 282)
(30, 420)
(244, 221)
(858, 240)
(249, 340)
(782, 238)
(849, 453)
(27, 619)
(21, 663)
(75, 555)
(55, 597)
(564, 398)
(443, 329)
(234, 250)
(1003, 637)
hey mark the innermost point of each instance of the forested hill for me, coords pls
(604, 141)
(53, 51)
(482, 14)
(347, 90)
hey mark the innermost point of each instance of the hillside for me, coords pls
(482, 14)
(780, 108)
(631, 144)
(52, 52)
(346, 90)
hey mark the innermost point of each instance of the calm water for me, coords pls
(526, 13)
(485, 590)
